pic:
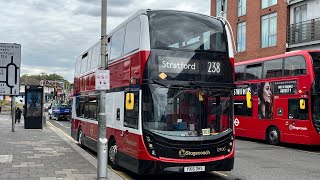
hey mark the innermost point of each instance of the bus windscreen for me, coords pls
(188, 31)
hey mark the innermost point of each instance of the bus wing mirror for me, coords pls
(248, 99)
(129, 101)
(302, 104)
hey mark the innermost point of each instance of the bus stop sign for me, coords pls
(10, 60)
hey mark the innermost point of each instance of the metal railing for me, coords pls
(304, 32)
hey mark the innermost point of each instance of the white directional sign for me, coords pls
(102, 80)
(10, 60)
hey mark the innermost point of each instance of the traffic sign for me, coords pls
(102, 80)
(10, 60)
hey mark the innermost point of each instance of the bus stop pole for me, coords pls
(102, 140)
(13, 111)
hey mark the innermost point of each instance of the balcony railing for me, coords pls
(304, 32)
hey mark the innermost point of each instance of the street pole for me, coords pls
(13, 111)
(103, 141)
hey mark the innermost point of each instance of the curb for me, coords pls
(111, 174)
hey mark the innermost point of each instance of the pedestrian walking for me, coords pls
(18, 115)
(0, 109)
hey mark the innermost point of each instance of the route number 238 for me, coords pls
(214, 67)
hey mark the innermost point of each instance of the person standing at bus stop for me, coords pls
(18, 115)
(265, 101)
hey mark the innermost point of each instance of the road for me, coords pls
(253, 161)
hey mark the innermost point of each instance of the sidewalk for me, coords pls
(43, 154)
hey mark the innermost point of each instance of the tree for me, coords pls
(44, 76)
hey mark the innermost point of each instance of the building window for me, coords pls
(269, 30)
(221, 5)
(241, 41)
(300, 27)
(241, 7)
(267, 3)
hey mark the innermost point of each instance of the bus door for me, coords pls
(297, 121)
(130, 132)
(242, 117)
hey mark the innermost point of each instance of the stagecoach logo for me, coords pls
(292, 127)
(184, 153)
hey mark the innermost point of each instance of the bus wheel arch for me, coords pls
(112, 153)
(273, 135)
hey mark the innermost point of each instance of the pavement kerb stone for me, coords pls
(111, 174)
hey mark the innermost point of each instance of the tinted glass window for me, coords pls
(181, 30)
(294, 65)
(131, 116)
(239, 73)
(78, 66)
(84, 62)
(272, 68)
(240, 108)
(117, 41)
(132, 39)
(254, 71)
(95, 56)
(294, 111)
(89, 60)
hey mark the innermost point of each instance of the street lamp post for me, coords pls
(102, 140)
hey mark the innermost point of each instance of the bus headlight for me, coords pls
(150, 145)
(153, 152)
(148, 139)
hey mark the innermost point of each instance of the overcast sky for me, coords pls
(52, 33)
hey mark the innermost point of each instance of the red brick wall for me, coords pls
(253, 27)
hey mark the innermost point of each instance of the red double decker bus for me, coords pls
(284, 98)
(170, 103)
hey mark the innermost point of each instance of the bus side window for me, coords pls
(295, 65)
(254, 71)
(131, 116)
(294, 111)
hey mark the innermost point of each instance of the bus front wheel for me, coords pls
(80, 137)
(112, 156)
(273, 135)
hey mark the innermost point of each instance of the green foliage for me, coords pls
(44, 76)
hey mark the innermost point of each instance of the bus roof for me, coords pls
(287, 54)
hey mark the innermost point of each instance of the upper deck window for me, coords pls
(117, 41)
(294, 65)
(186, 31)
(239, 73)
(254, 71)
(132, 38)
(272, 68)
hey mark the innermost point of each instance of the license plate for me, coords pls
(194, 169)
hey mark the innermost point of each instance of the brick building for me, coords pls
(269, 27)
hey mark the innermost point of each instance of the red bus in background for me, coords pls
(285, 97)
(170, 103)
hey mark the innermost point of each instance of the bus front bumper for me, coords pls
(156, 167)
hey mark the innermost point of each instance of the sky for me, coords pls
(52, 33)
